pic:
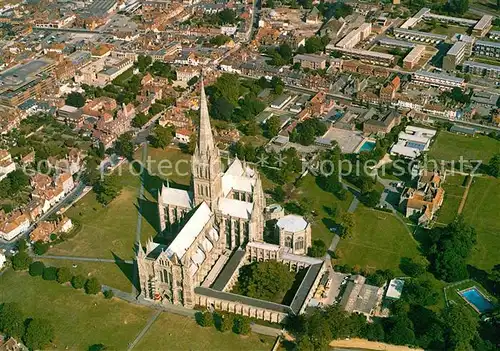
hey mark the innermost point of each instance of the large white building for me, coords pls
(412, 142)
(7, 165)
(439, 80)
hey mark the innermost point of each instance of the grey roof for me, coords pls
(462, 129)
(456, 48)
(439, 76)
(242, 299)
(312, 58)
(483, 22)
(395, 42)
(228, 270)
(304, 288)
(481, 65)
(493, 44)
(205, 138)
(419, 33)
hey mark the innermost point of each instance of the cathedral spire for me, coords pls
(205, 138)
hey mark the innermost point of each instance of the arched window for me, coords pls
(299, 243)
(288, 242)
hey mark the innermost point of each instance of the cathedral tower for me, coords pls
(205, 163)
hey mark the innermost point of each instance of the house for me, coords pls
(45, 229)
(425, 199)
(65, 180)
(7, 165)
(310, 61)
(3, 259)
(13, 224)
(183, 135)
(361, 297)
(412, 142)
(383, 124)
(186, 73)
(395, 289)
(388, 93)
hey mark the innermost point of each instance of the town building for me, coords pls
(424, 200)
(13, 224)
(412, 142)
(7, 165)
(355, 37)
(371, 57)
(482, 69)
(487, 48)
(383, 124)
(360, 297)
(454, 56)
(482, 26)
(416, 35)
(310, 61)
(439, 80)
(411, 60)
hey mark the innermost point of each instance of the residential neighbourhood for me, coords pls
(254, 175)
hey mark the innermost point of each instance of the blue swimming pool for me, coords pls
(367, 146)
(477, 299)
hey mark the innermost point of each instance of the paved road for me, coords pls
(85, 259)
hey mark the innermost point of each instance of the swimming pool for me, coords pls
(474, 297)
(367, 146)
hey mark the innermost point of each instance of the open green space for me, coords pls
(325, 208)
(450, 147)
(454, 189)
(481, 211)
(117, 275)
(175, 332)
(379, 241)
(79, 320)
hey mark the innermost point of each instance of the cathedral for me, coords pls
(222, 212)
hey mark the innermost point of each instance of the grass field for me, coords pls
(449, 147)
(481, 211)
(326, 205)
(379, 241)
(116, 275)
(79, 320)
(454, 190)
(175, 332)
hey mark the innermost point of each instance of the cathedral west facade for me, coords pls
(222, 212)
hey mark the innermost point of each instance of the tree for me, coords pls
(18, 180)
(22, 245)
(40, 247)
(39, 334)
(227, 16)
(143, 62)
(371, 198)
(460, 326)
(140, 119)
(75, 99)
(458, 7)
(242, 325)
(221, 109)
(78, 281)
(107, 189)
(204, 319)
(11, 320)
(411, 268)
(218, 40)
(268, 280)
(223, 321)
(279, 194)
(125, 145)
(36, 268)
(63, 275)
(451, 246)
(92, 286)
(108, 294)
(273, 126)
(347, 222)
(400, 331)
(49, 273)
(494, 165)
(318, 249)
(97, 347)
(420, 292)
(161, 136)
(306, 132)
(193, 81)
(21, 261)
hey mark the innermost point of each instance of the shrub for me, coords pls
(21, 261)
(92, 286)
(241, 325)
(36, 268)
(205, 319)
(40, 247)
(108, 294)
(78, 281)
(49, 273)
(63, 275)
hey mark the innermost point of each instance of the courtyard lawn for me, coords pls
(454, 190)
(175, 332)
(79, 320)
(326, 206)
(117, 275)
(481, 211)
(379, 241)
(450, 147)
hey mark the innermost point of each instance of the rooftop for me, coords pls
(292, 223)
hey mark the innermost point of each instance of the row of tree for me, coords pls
(224, 322)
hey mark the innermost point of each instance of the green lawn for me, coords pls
(79, 320)
(326, 205)
(171, 332)
(116, 275)
(454, 190)
(379, 241)
(481, 211)
(450, 147)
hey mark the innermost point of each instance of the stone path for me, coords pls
(85, 259)
(143, 332)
